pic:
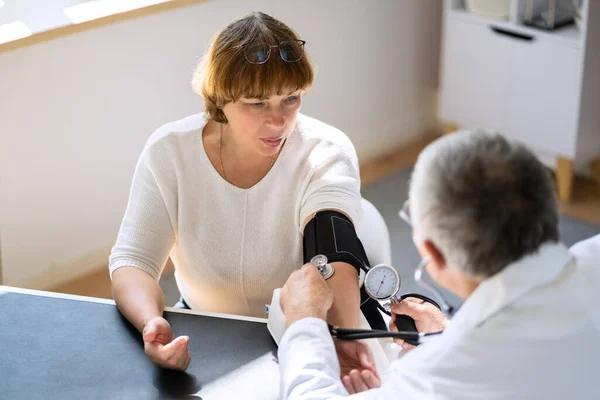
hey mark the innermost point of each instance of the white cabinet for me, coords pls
(543, 96)
(541, 88)
(475, 75)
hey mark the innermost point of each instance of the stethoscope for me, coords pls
(382, 283)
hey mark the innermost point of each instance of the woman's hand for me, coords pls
(354, 354)
(360, 381)
(161, 346)
(357, 366)
(428, 318)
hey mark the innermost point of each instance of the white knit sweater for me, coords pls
(231, 247)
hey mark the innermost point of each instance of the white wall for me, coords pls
(75, 112)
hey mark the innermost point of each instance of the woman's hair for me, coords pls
(224, 75)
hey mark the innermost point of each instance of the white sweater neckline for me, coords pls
(226, 183)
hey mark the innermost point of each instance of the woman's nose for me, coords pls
(276, 119)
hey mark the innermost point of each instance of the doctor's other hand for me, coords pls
(305, 294)
(161, 346)
(428, 318)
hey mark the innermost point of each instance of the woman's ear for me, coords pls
(438, 261)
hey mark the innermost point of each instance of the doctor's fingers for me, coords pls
(399, 342)
(405, 346)
(414, 309)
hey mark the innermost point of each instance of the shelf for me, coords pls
(460, 7)
(568, 35)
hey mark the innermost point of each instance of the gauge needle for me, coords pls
(380, 286)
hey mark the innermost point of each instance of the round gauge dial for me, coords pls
(382, 282)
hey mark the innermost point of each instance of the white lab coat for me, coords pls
(530, 332)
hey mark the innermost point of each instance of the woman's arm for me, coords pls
(146, 237)
(352, 355)
(141, 301)
(138, 296)
(333, 183)
(346, 294)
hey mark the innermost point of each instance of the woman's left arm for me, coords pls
(352, 355)
(346, 295)
(333, 183)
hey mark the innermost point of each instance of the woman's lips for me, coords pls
(272, 142)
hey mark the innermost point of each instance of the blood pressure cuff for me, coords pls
(332, 234)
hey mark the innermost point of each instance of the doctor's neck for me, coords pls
(459, 283)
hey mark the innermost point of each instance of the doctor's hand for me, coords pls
(357, 366)
(161, 346)
(428, 318)
(305, 294)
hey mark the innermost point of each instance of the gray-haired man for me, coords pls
(483, 212)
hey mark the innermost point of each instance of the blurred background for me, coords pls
(83, 84)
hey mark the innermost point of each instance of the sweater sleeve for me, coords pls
(147, 234)
(334, 181)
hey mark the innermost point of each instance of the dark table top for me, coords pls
(70, 347)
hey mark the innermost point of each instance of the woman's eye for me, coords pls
(292, 99)
(257, 105)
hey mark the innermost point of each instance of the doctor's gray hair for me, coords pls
(484, 201)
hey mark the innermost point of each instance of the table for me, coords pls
(57, 346)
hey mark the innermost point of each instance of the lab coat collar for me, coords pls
(511, 283)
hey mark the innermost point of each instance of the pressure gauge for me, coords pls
(382, 282)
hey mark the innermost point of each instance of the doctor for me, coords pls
(484, 214)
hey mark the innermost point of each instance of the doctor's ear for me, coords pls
(438, 261)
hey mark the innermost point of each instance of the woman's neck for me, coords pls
(233, 159)
(238, 153)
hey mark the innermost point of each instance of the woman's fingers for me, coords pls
(150, 336)
(358, 382)
(175, 346)
(176, 350)
(184, 361)
(372, 380)
(158, 330)
(347, 381)
(174, 355)
(367, 360)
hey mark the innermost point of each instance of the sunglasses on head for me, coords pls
(259, 52)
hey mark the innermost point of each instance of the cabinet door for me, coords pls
(474, 77)
(543, 99)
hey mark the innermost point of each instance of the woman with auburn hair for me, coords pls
(227, 193)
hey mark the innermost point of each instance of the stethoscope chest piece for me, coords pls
(325, 269)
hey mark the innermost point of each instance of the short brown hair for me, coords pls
(224, 75)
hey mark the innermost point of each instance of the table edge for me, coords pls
(42, 293)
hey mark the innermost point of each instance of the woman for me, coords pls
(227, 193)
